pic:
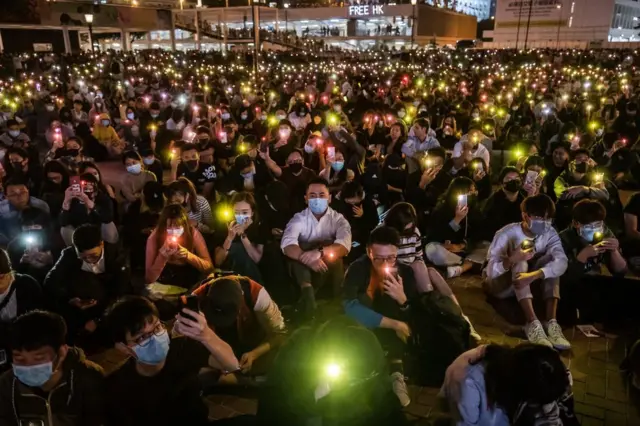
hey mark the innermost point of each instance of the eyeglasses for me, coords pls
(145, 338)
(17, 194)
(383, 260)
(90, 258)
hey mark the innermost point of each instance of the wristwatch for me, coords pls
(405, 306)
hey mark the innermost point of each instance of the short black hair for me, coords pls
(577, 152)
(132, 155)
(400, 215)
(384, 235)
(87, 237)
(317, 181)
(505, 171)
(15, 181)
(5, 262)
(37, 329)
(588, 211)
(154, 105)
(18, 150)
(188, 147)
(12, 122)
(129, 314)
(351, 189)
(422, 122)
(539, 205)
(534, 160)
(437, 152)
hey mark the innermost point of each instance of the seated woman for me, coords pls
(140, 220)
(502, 386)
(107, 136)
(242, 249)
(503, 206)
(56, 133)
(56, 181)
(176, 252)
(88, 205)
(183, 193)
(136, 177)
(453, 227)
(71, 154)
(335, 172)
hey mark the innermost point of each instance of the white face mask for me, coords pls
(175, 232)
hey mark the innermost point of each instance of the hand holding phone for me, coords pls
(76, 185)
(190, 302)
(331, 152)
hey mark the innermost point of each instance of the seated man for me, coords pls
(590, 245)
(242, 313)
(18, 200)
(377, 291)
(51, 383)
(88, 276)
(159, 385)
(18, 294)
(188, 165)
(315, 241)
(522, 254)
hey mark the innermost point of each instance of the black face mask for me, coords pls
(72, 152)
(513, 185)
(16, 165)
(581, 167)
(191, 164)
(295, 167)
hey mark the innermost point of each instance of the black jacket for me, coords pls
(498, 212)
(67, 280)
(78, 215)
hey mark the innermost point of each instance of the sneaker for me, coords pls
(557, 339)
(535, 334)
(472, 331)
(454, 271)
(400, 388)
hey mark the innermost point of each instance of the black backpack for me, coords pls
(439, 334)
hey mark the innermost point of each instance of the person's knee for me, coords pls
(432, 251)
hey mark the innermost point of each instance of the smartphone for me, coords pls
(527, 244)
(462, 200)
(264, 146)
(477, 166)
(75, 184)
(531, 177)
(331, 151)
(223, 137)
(597, 238)
(189, 302)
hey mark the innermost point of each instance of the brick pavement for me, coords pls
(602, 396)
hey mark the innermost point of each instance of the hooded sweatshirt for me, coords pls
(76, 401)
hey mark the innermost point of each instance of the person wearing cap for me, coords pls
(241, 312)
(159, 384)
(107, 136)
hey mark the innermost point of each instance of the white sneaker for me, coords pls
(472, 331)
(555, 336)
(454, 271)
(535, 334)
(400, 388)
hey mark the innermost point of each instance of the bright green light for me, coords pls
(333, 371)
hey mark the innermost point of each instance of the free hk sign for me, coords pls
(366, 10)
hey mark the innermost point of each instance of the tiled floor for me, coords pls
(602, 396)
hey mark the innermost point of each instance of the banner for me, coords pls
(541, 12)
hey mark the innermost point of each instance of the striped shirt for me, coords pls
(410, 248)
(202, 216)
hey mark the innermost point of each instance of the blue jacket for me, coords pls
(471, 402)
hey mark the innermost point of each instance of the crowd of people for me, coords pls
(192, 215)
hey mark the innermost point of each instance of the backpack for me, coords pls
(439, 334)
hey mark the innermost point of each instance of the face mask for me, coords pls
(191, 164)
(49, 107)
(539, 226)
(154, 350)
(247, 175)
(581, 168)
(587, 232)
(337, 166)
(148, 161)
(513, 185)
(33, 375)
(416, 103)
(135, 168)
(16, 165)
(180, 125)
(175, 232)
(475, 115)
(318, 205)
(281, 117)
(72, 152)
(599, 132)
(154, 115)
(225, 115)
(243, 116)
(295, 167)
(131, 116)
(285, 133)
(241, 219)
(515, 108)
(263, 117)
(14, 133)
(105, 123)
(302, 113)
(337, 108)
(421, 110)
(98, 104)
(2, 154)
(308, 149)
(402, 113)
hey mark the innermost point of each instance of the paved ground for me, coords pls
(602, 396)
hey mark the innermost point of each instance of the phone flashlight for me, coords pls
(526, 244)
(597, 237)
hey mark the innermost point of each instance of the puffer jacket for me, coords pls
(76, 401)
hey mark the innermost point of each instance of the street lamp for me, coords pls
(286, 18)
(559, 7)
(89, 18)
(413, 22)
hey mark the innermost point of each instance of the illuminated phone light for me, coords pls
(460, 197)
(174, 239)
(387, 270)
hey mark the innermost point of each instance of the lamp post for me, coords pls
(89, 18)
(413, 22)
(559, 7)
(286, 18)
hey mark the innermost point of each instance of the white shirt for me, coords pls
(97, 268)
(10, 311)
(509, 238)
(305, 229)
(480, 152)
(413, 145)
